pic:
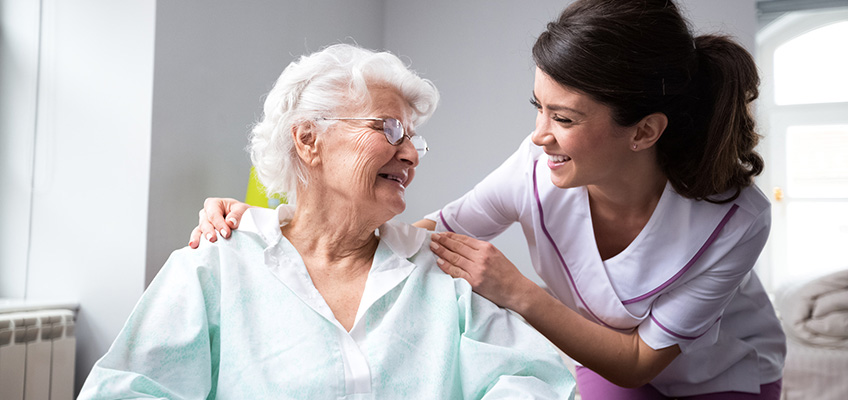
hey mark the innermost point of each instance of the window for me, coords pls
(804, 117)
(811, 68)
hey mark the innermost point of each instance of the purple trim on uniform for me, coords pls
(691, 262)
(558, 253)
(677, 335)
(445, 223)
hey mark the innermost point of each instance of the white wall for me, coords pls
(737, 18)
(18, 82)
(91, 175)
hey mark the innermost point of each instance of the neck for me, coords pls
(634, 191)
(337, 235)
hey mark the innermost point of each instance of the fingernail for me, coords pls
(233, 222)
(440, 261)
(436, 236)
(223, 233)
(209, 236)
(190, 244)
(434, 246)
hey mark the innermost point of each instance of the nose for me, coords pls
(407, 153)
(542, 135)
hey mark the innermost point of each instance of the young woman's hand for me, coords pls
(219, 215)
(480, 263)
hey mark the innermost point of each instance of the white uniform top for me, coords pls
(686, 279)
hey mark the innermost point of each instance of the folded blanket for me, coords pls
(816, 312)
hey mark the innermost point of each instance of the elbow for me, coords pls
(646, 365)
(636, 364)
(635, 377)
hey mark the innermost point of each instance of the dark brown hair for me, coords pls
(639, 57)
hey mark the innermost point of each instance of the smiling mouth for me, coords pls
(557, 159)
(391, 177)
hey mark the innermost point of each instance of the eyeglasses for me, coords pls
(394, 132)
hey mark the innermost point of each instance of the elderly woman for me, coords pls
(337, 301)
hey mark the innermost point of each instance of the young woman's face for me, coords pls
(583, 143)
(361, 165)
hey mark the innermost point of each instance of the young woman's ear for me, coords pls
(303, 135)
(649, 130)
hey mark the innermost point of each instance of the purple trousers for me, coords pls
(592, 386)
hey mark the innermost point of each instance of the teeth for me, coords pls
(558, 158)
(392, 178)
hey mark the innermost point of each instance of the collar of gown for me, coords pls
(403, 239)
(398, 243)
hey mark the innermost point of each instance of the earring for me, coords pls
(635, 146)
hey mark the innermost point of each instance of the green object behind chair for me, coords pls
(257, 196)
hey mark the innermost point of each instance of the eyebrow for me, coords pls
(559, 107)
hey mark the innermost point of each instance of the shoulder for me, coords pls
(529, 148)
(240, 242)
(750, 212)
(405, 240)
(753, 201)
(413, 244)
(245, 243)
(521, 161)
(702, 230)
(528, 153)
(751, 209)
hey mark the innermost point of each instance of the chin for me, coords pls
(561, 182)
(398, 209)
(565, 183)
(395, 206)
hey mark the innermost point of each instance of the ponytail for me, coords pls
(722, 156)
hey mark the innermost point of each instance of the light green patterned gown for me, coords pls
(241, 319)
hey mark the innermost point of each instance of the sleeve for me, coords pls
(494, 203)
(502, 357)
(168, 348)
(690, 315)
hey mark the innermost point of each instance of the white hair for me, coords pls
(314, 86)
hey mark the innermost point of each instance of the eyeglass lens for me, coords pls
(394, 132)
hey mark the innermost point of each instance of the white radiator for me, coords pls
(37, 350)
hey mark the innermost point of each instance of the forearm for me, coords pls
(427, 224)
(622, 358)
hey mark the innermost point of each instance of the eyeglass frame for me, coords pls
(421, 152)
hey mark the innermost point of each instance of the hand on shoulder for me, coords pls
(218, 216)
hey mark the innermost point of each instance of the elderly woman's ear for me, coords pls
(305, 142)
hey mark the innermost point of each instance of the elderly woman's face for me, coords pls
(361, 165)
